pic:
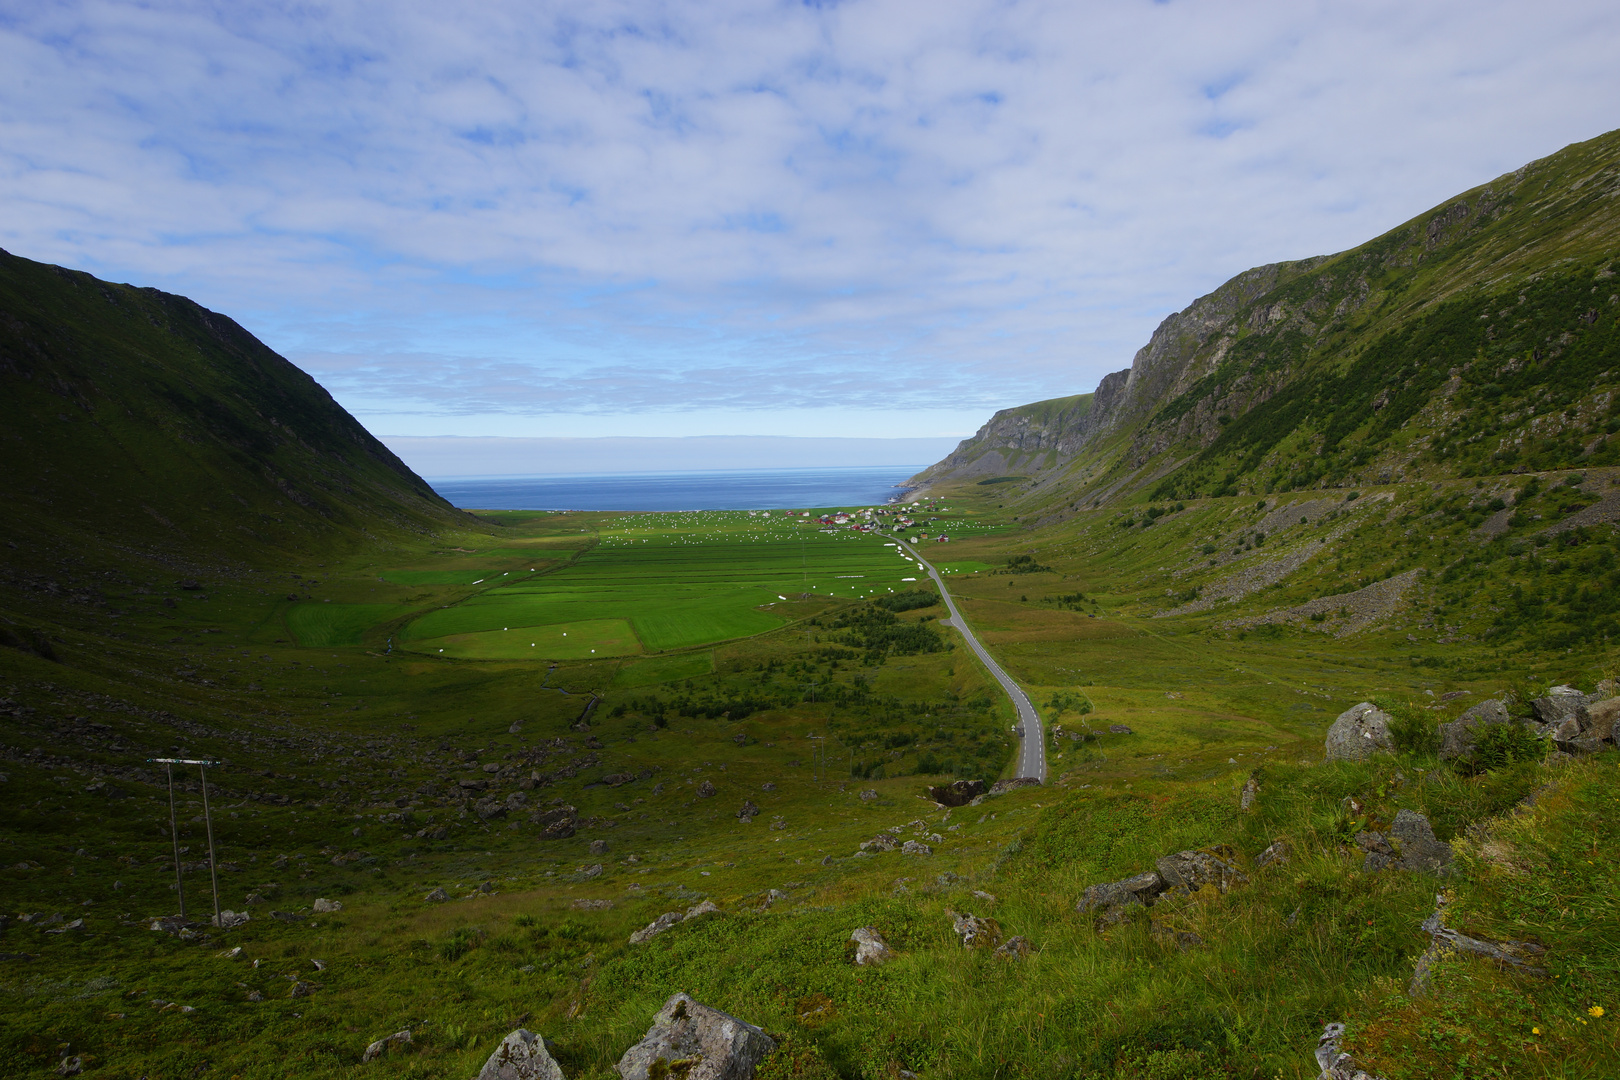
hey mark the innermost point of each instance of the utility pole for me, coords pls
(174, 830)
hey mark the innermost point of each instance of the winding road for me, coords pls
(1032, 751)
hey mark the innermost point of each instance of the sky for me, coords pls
(870, 219)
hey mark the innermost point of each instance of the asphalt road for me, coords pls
(1032, 751)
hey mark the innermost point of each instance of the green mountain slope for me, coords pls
(1478, 338)
(143, 421)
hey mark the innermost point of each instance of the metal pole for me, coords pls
(213, 866)
(174, 834)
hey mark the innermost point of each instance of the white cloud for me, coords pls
(748, 211)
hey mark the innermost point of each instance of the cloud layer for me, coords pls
(516, 215)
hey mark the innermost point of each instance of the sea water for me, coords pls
(756, 489)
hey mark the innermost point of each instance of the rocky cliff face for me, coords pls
(1478, 315)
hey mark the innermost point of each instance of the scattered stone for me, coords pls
(974, 932)
(230, 920)
(300, 988)
(1360, 732)
(1016, 947)
(1002, 786)
(231, 954)
(870, 948)
(437, 895)
(286, 916)
(70, 1066)
(1189, 871)
(748, 812)
(914, 847)
(959, 793)
(881, 842)
(521, 1056)
(599, 847)
(826, 860)
(76, 924)
(1334, 1064)
(980, 894)
(656, 927)
(1251, 791)
(592, 905)
(869, 794)
(1119, 729)
(1459, 738)
(1169, 935)
(618, 779)
(706, 907)
(706, 790)
(380, 1047)
(1443, 941)
(592, 871)
(323, 906)
(767, 786)
(700, 1042)
(433, 832)
(254, 995)
(1277, 853)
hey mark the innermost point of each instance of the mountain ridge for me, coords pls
(1258, 361)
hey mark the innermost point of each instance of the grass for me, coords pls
(320, 625)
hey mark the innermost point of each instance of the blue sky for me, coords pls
(713, 218)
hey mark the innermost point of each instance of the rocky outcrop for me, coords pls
(1001, 787)
(1360, 732)
(696, 1042)
(521, 1056)
(656, 927)
(870, 948)
(959, 793)
(380, 1047)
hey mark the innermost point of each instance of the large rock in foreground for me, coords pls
(521, 1056)
(708, 1043)
(1360, 732)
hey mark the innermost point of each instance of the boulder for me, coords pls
(1561, 703)
(974, 932)
(915, 847)
(1458, 738)
(1601, 720)
(748, 812)
(1168, 934)
(1192, 870)
(323, 906)
(870, 948)
(696, 911)
(1250, 792)
(1334, 1064)
(1120, 729)
(1418, 848)
(521, 1056)
(881, 842)
(1001, 786)
(230, 920)
(706, 790)
(1111, 901)
(656, 927)
(1360, 732)
(709, 1044)
(380, 1047)
(869, 794)
(437, 895)
(599, 847)
(959, 793)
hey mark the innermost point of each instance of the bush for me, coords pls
(1504, 744)
(1411, 728)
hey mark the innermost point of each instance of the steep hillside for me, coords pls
(142, 422)
(1477, 339)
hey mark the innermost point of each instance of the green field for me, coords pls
(677, 581)
(557, 641)
(319, 625)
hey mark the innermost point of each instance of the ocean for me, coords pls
(755, 489)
